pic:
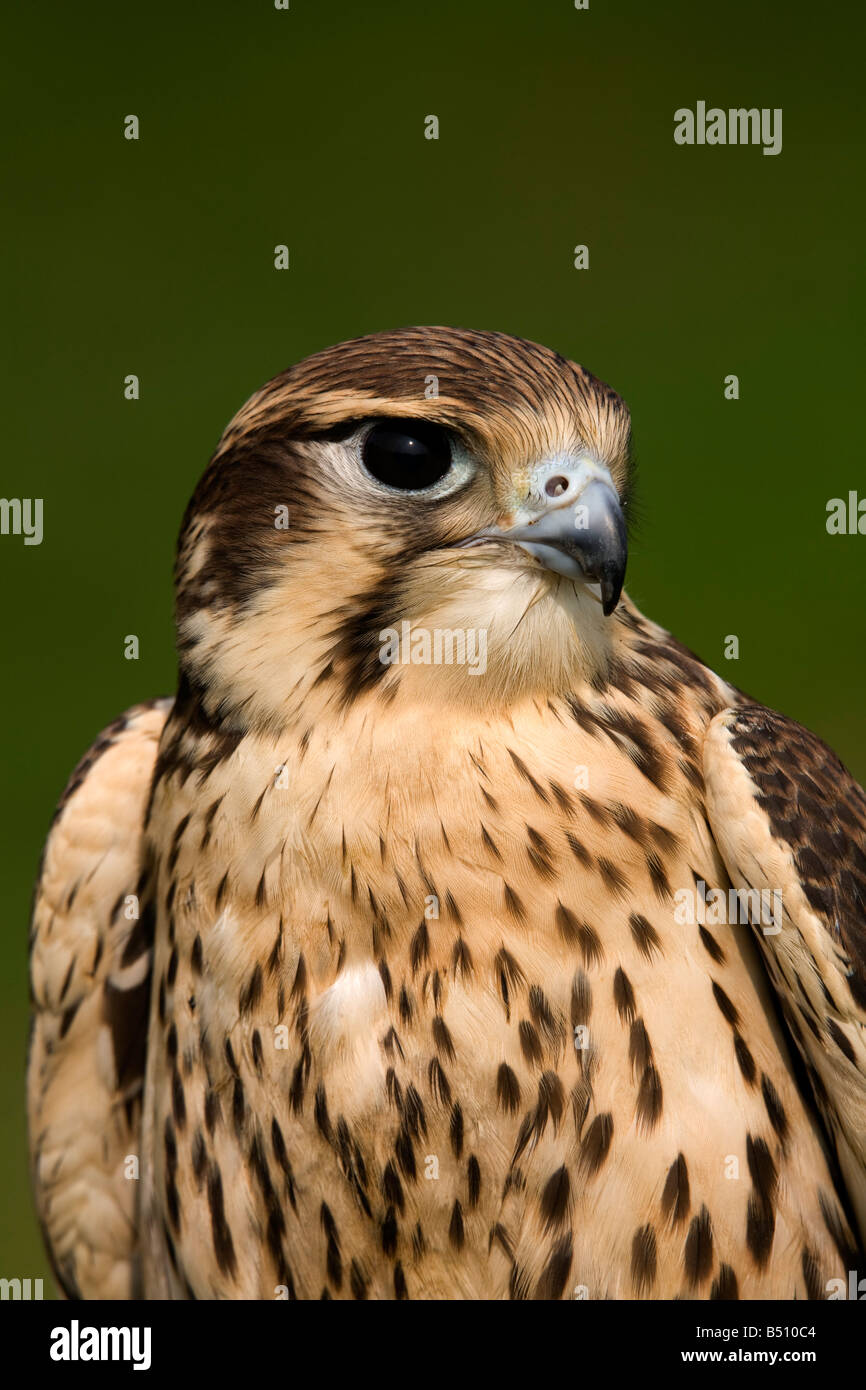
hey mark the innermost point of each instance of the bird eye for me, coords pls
(408, 455)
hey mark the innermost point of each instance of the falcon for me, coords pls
(365, 967)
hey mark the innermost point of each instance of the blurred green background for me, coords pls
(306, 127)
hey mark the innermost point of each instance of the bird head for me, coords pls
(424, 514)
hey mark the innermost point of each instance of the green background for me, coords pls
(306, 127)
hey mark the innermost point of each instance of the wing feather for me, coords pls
(90, 985)
(790, 820)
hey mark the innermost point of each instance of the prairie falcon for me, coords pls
(362, 968)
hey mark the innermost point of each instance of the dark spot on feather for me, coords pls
(596, 1143)
(178, 1103)
(513, 904)
(841, 1041)
(389, 1232)
(199, 1158)
(527, 775)
(629, 822)
(581, 999)
(698, 1252)
(456, 1131)
(760, 1216)
(212, 1110)
(221, 890)
(561, 797)
(556, 1199)
(238, 1106)
(595, 810)
(393, 1089)
(762, 1168)
(643, 1259)
(623, 996)
(323, 1123)
(437, 989)
(745, 1060)
(392, 1187)
(760, 1229)
(391, 1043)
(724, 1288)
(298, 1087)
(456, 1233)
(385, 977)
(507, 1088)
(279, 1147)
(222, 1236)
(490, 843)
(405, 1153)
(461, 958)
(251, 994)
(530, 1043)
(658, 877)
(639, 1047)
(729, 1012)
(334, 1259)
(540, 854)
(675, 1197)
(442, 1038)
(439, 1084)
(406, 1006)
(550, 1101)
(508, 968)
(645, 936)
(555, 1273)
(649, 1098)
(173, 1201)
(614, 878)
(299, 984)
(413, 1112)
(711, 946)
(581, 1096)
(473, 1181)
(580, 852)
(775, 1109)
(419, 947)
(543, 1016)
(579, 933)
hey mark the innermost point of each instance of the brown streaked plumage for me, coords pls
(425, 1020)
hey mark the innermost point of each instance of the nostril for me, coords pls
(555, 487)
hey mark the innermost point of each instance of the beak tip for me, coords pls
(610, 600)
(612, 583)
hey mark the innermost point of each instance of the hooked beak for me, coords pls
(573, 524)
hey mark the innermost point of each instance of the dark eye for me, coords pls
(407, 454)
